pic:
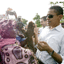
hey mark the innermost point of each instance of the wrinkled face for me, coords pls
(52, 18)
(43, 23)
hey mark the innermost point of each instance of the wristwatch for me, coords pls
(51, 53)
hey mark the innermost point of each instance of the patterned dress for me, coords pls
(10, 52)
(14, 54)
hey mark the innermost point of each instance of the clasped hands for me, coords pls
(43, 46)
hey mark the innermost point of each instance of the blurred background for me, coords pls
(29, 10)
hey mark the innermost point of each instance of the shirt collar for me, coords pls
(59, 27)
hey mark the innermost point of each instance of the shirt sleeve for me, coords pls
(62, 48)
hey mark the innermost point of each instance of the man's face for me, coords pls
(52, 18)
(43, 23)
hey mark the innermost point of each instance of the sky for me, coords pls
(27, 9)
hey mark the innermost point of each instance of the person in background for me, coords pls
(43, 22)
(62, 24)
(10, 11)
(50, 44)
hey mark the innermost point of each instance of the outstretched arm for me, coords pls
(11, 12)
(43, 46)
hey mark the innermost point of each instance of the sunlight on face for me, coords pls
(52, 21)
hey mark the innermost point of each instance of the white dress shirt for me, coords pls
(62, 62)
(55, 39)
(40, 30)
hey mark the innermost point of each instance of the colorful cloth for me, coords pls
(14, 54)
(10, 52)
(7, 33)
(7, 28)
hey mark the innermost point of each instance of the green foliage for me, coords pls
(52, 3)
(24, 21)
(37, 20)
(62, 2)
(57, 3)
(61, 21)
(63, 17)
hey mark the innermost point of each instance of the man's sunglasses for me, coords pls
(50, 16)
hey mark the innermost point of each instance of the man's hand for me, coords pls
(43, 46)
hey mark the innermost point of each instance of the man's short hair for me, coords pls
(58, 9)
(44, 18)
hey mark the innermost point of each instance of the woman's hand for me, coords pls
(36, 30)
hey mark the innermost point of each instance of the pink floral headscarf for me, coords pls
(7, 33)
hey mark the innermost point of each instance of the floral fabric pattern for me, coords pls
(14, 54)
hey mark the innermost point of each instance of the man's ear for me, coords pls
(60, 16)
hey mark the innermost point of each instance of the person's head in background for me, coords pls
(19, 19)
(54, 16)
(43, 21)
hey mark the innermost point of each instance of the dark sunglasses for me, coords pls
(50, 16)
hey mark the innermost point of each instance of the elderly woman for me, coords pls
(12, 49)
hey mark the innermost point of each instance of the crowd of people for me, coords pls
(32, 45)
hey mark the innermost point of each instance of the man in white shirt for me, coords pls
(51, 41)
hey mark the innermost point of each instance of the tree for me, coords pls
(37, 20)
(24, 21)
(56, 3)
(52, 3)
(62, 3)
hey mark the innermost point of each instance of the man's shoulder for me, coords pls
(62, 29)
